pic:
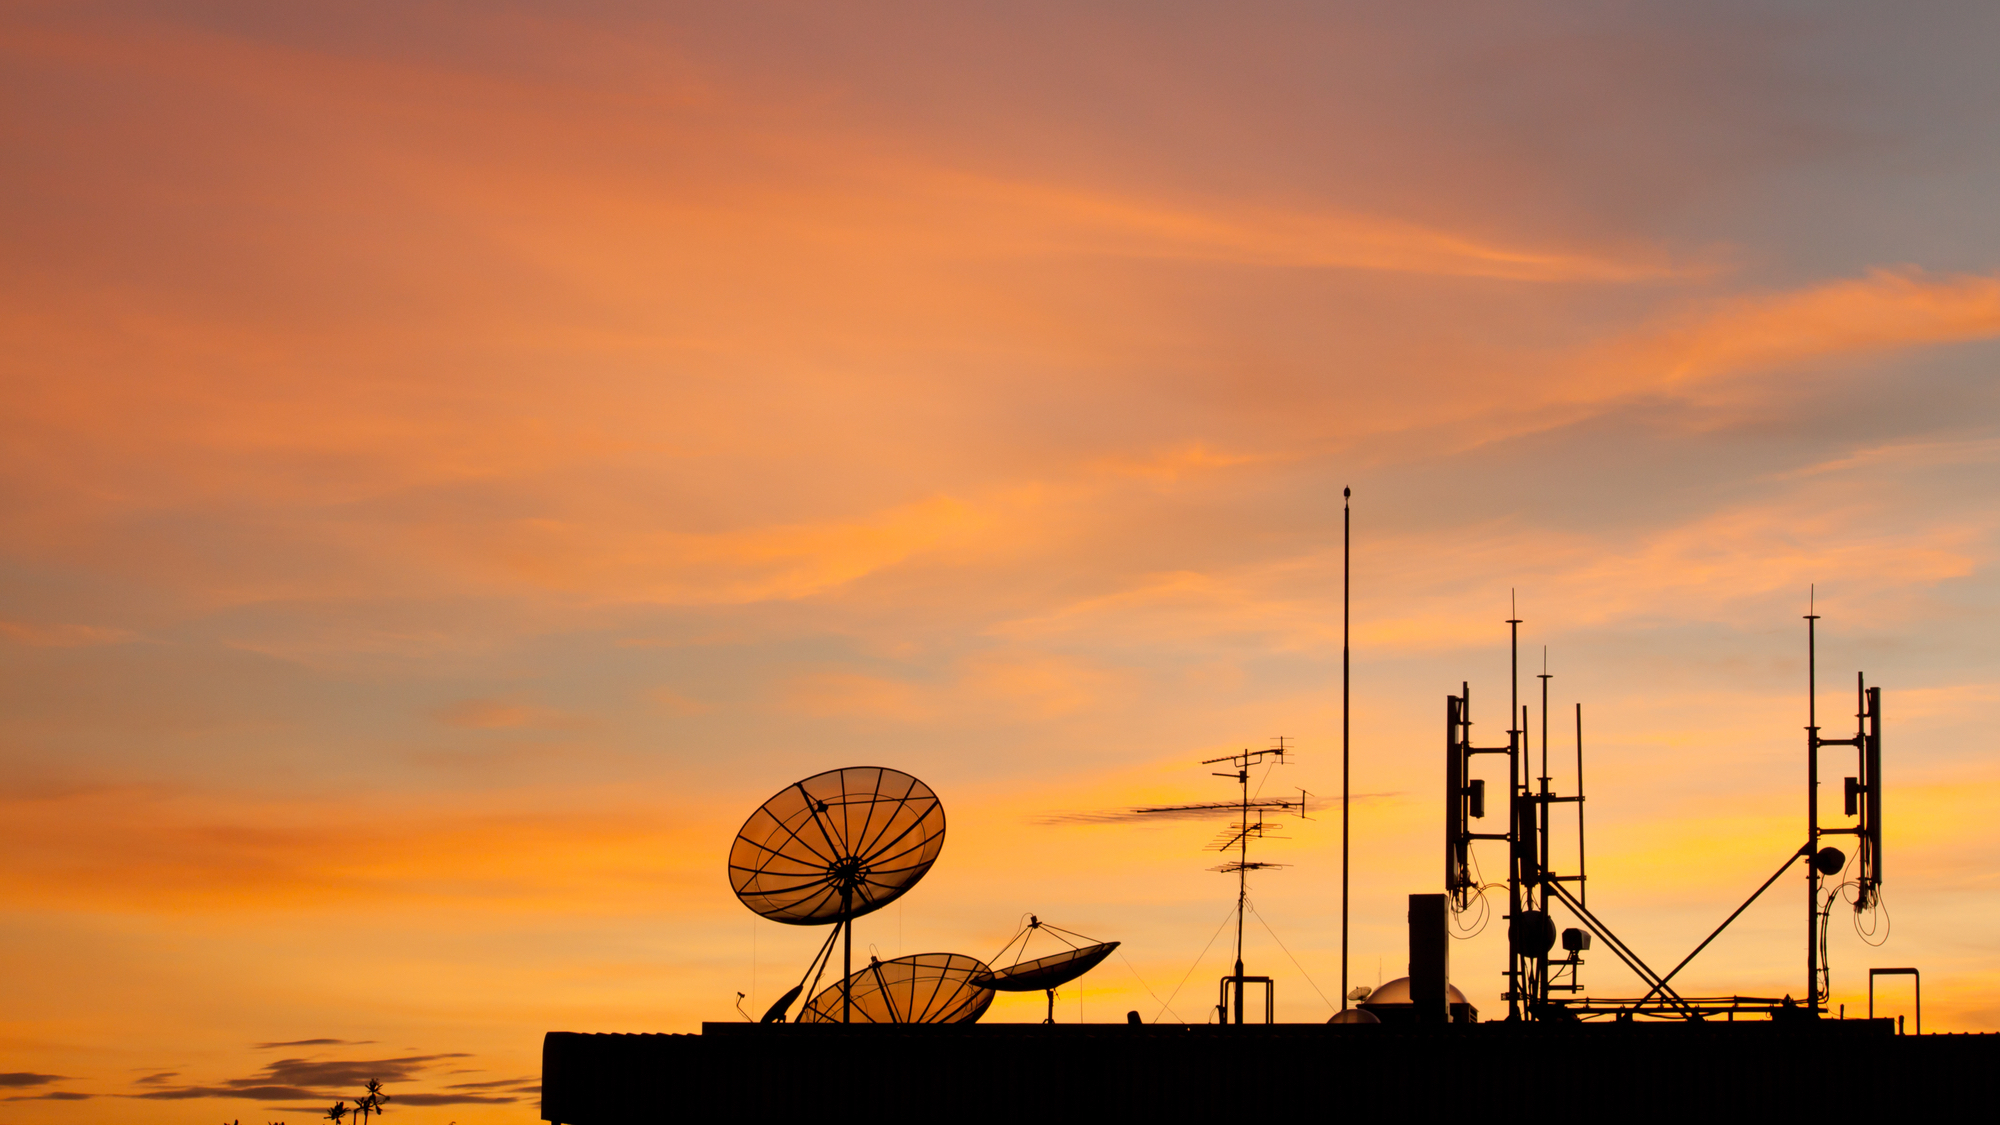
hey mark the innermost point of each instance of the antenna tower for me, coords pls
(1250, 822)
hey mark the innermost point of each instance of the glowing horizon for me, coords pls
(460, 461)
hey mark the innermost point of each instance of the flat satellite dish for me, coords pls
(1049, 972)
(836, 846)
(924, 988)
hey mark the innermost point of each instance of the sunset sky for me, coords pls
(460, 459)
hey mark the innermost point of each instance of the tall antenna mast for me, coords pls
(1346, 555)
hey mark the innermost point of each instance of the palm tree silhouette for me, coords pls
(372, 1103)
(338, 1112)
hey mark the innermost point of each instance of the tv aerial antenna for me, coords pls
(830, 849)
(1249, 824)
(1047, 972)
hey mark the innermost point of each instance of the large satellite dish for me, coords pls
(925, 988)
(837, 845)
(829, 849)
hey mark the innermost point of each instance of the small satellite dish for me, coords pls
(1044, 974)
(1051, 971)
(924, 988)
(836, 846)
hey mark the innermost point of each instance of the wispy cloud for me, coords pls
(312, 1078)
(63, 635)
(1838, 319)
(310, 857)
(27, 1078)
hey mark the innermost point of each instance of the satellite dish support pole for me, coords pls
(847, 957)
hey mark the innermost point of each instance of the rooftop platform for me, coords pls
(759, 1071)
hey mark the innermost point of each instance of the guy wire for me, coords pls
(1197, 962)
(1288, 952)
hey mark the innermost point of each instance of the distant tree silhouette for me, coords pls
(364, 1107)
(372, 1103)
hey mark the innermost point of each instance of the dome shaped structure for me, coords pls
(1391, 1003)
(1398, 992)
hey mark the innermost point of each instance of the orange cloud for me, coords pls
(133, 849)
(1886, 309)
(1017, 685)
(852, 694)
(1759, 332)
(502, 714)
(1069, 219)
(62, 635)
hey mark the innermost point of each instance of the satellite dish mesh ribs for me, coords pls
(836, 846)
(923, 988)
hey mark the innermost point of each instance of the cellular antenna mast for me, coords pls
(1535, 888)
(1863, 802)
(1249, 810)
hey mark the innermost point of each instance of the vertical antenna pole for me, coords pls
(1542, 826)
(1542, 815)
(1582, 873)
(1346, 554)
(1242, 878)
(1812, 800)
(1533, 967)
(1515, 977)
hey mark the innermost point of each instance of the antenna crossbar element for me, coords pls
(1231, 836)
(1229, 806)
(1245, 758)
